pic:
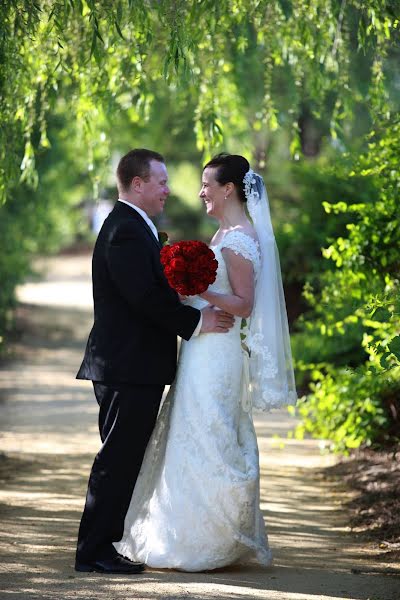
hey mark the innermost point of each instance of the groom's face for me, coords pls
(155, 189)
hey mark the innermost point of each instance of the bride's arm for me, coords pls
(241, 279)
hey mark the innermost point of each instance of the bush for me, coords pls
(349, 408)
(360, 297)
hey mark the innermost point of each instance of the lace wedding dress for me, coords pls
(195, 505)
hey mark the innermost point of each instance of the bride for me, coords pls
(195, 505)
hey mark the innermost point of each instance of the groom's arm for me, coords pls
(143, 285)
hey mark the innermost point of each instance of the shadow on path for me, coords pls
(48, 440)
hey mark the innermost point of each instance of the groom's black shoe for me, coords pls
(116, 564)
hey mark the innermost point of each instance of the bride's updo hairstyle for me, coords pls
(230, 168)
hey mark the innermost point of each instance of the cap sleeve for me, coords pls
(243, 245)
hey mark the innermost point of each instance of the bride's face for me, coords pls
(212, 193)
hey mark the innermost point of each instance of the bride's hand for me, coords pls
(182, 298)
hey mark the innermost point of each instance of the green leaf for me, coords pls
(394, 346)
(119, 30)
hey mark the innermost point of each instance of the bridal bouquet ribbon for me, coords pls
(190, 267)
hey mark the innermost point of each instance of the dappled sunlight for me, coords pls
(61, 293)
(40, 377)
(44, 503)
(68, 286)
(49, 438)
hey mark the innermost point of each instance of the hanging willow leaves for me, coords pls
(78, 44)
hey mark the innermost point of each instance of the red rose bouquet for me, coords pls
(190, 267)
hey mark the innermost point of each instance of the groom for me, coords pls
(131, 352)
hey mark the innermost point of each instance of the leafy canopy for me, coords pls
(99, 57)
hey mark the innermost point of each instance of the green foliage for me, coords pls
(28, 225)
(236, 61)
(349, 408)
(302, 225)
(40, 220)
(355, 406)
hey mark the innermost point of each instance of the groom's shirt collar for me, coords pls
(144, 215)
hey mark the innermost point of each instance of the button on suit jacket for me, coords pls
(137, 316)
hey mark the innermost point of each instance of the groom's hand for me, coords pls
(216, 321)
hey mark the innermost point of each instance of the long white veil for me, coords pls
(271, 382)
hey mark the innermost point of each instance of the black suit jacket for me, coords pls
(137, 316)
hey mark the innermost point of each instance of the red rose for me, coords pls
(189, 266)
(178, 264)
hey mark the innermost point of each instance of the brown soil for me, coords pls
(374, 509)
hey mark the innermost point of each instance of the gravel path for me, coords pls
(48, 439)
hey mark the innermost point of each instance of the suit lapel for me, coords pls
(131, 212)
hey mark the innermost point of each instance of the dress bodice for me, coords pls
(241, 243)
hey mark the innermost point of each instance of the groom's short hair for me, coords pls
(136, 164)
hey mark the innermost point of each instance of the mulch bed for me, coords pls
(374, 506)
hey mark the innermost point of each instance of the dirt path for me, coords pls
(47, 442)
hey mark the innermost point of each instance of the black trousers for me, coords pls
(126, 420)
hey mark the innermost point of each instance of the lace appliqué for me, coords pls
(251, 193)
(253, 199)
(264, 394)
(271, 398)
(241, 243)
(255, 344)
(252, 345)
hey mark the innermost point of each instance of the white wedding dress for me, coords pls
(195, 505)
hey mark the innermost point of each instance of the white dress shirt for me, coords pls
(153, 228)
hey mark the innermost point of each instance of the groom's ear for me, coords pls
(137, 184)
